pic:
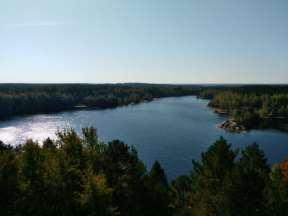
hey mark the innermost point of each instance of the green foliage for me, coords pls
(181, 189)
(222, 183)
(157, 192)
(96, 196)
(9, 184)
(124, 173)
(251, 105)
(252, 179)
(277, 193)
(211, 179)
(157, 175)
(19, 99)
(246, 104)
(79, 175)
(75, 175)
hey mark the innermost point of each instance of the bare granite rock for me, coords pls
(232, 126)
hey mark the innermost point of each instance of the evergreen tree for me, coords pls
(157, 197)
(277, 191)
(96, 196)
(74, 175)
(254, 173)
(9, 184)
(124, 172)
(211, 179)
(181, 190)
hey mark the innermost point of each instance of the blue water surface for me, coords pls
(171, 130)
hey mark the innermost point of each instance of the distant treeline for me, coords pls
(18, 99)
(251, 105)
(80, 175)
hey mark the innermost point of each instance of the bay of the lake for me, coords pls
(171, 130)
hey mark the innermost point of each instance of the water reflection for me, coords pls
(37, 127)
(171, 130)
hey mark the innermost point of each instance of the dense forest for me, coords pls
(18, 99)
(80, 175)
(251, 106)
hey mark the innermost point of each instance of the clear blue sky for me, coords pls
(159, 41)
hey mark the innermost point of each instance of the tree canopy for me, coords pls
(80, 175)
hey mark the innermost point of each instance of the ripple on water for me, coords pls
(171, 130)
(38, 128)
(9, 134)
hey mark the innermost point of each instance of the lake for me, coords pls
(171, 130)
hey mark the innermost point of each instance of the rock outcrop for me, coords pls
(232, 126)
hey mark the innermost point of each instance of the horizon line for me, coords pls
(148, 83)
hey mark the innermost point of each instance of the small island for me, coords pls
(232, 126)
(247, 107)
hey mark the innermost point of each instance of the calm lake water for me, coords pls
(171, 130)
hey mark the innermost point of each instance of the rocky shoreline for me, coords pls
(232, 126)
(220, 111)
